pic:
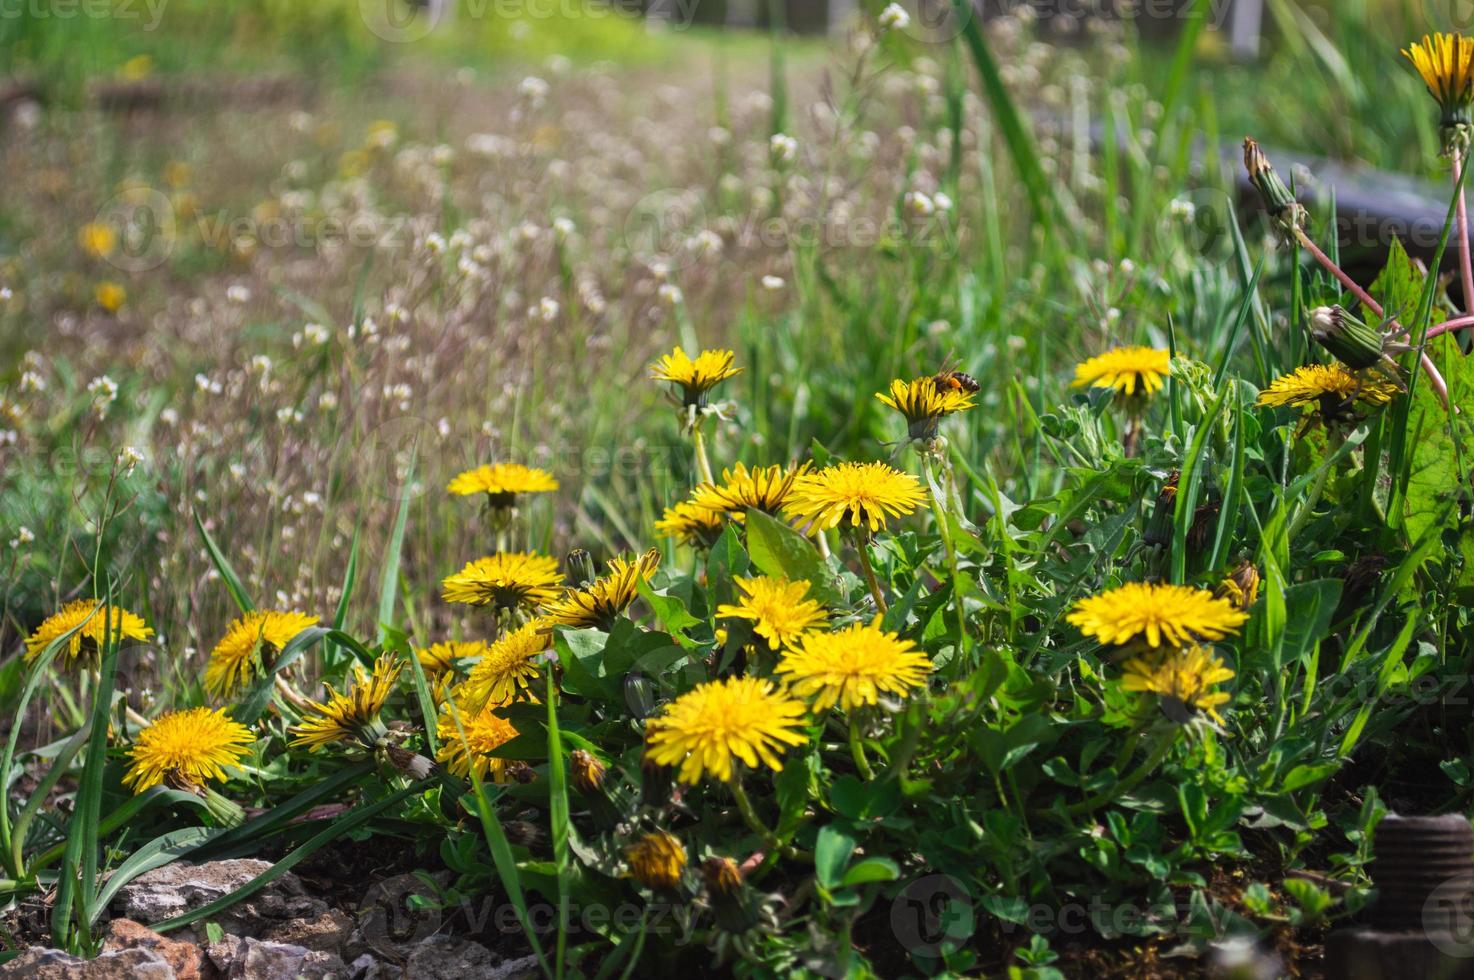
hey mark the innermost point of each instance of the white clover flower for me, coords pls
(460, 238)
(894, 18)
(327, 400)
(919, 204)
(533, 89)
(942, 201)
(238, 470)
(773, 283)
(238, 294)
(563, 227)
(1182, 209)
(442, 155)
(706, 242)
(443, 428)
(169, 416)
(316, 334)
(783, 147)
(547, 309)
(670, 293)
(5, 293)
(287, 415)
(435, 243)
(23, 536)
(30, 381)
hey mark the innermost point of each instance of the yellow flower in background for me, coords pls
(1183, 678)
(1446, 64)
(381, 134)
(696, 377)
(177, 173)
(600, 604)
(1241, 587)
(746, 719)
(778, 608)
(657, 860)
(352, 716)
(503, 483)
(1307, 386)
(509, 580)
(110, 296)
(855, 494)
(1130, 370)
(97, 239)
(242, 653)
(853, 667)
(438, 661)
(136, 68)
(742, 489)
(114, 620)
(507, 666)
(1158, 615)
(186, 749)
(924, 403)
(690, 523)
(467, 739)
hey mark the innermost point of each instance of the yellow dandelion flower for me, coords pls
(186, 749)
(439, 660)
(857, 493)
(853, 667)
(507, 667)
(743, 718)
(98, 619)
(469, 744)
(1132, 371)
(1312, 385)
(696, 377)
(352, 716)
(1184, 679)
(110, 296)
(1157, 615)
(509, 580)
(502, 483)
(742, 489)
(924, 403)
(657, 860)
(1446, 64)
(691, 523)
(1241, 587)
(247, 648)
(777, 607)
(601, 603)
(97, 239)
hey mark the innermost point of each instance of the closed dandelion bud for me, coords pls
(580, 568)
(521, 772)
(731, 902)
(1278, 200)
(1356, 344)
(657, 860)
(655, 780)
(1158, 531)
(1200, 532)
(587, 771)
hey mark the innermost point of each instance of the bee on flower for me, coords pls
(924, 402)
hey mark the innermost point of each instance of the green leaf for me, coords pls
(832, 852)
(222, 565)
(389, 576)
(780, 551)
(870, 870)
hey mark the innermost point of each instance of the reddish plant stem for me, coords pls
(1434, 378)
(1466, 262)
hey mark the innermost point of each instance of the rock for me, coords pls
(389, 925)
(326, 933)
(183, 887)
(38, 963)
(186, 959)
(259, 959)
(449, 958)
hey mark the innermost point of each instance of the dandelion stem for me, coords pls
(870, 579)
(750, 817)
(1434, 378)
(703, 466)
(935, 473)
(857, 749)
(1466, 263)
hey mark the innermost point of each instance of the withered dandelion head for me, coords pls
(1184, 679)
(924, 403)
(353, 716)
(469, 744)
(1156, 615)
(695, 377)
(858, 495)
(508, 580)
(1446, 64)
(657, 860)
(186, 749)
(98, 621)
(739, 719)
(779, 609)
(853, 666)
(502, 483)
(508, 666)
(1132, 371)
(1241, 586)
(601, 603)
(742, 489)
(248, 648)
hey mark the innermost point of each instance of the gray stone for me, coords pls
(327, 932)
(449, 958)
(259, 959)
(39, 963)
(183, 887)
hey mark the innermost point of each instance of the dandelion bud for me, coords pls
(722, 876)
(580, 568)
(588, 772)
(655, 779)
(1278, 200)
(1158, 531)
(1241, 587)
(1356, 344)
(408, 763)
(657, 860)
(731, 901)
